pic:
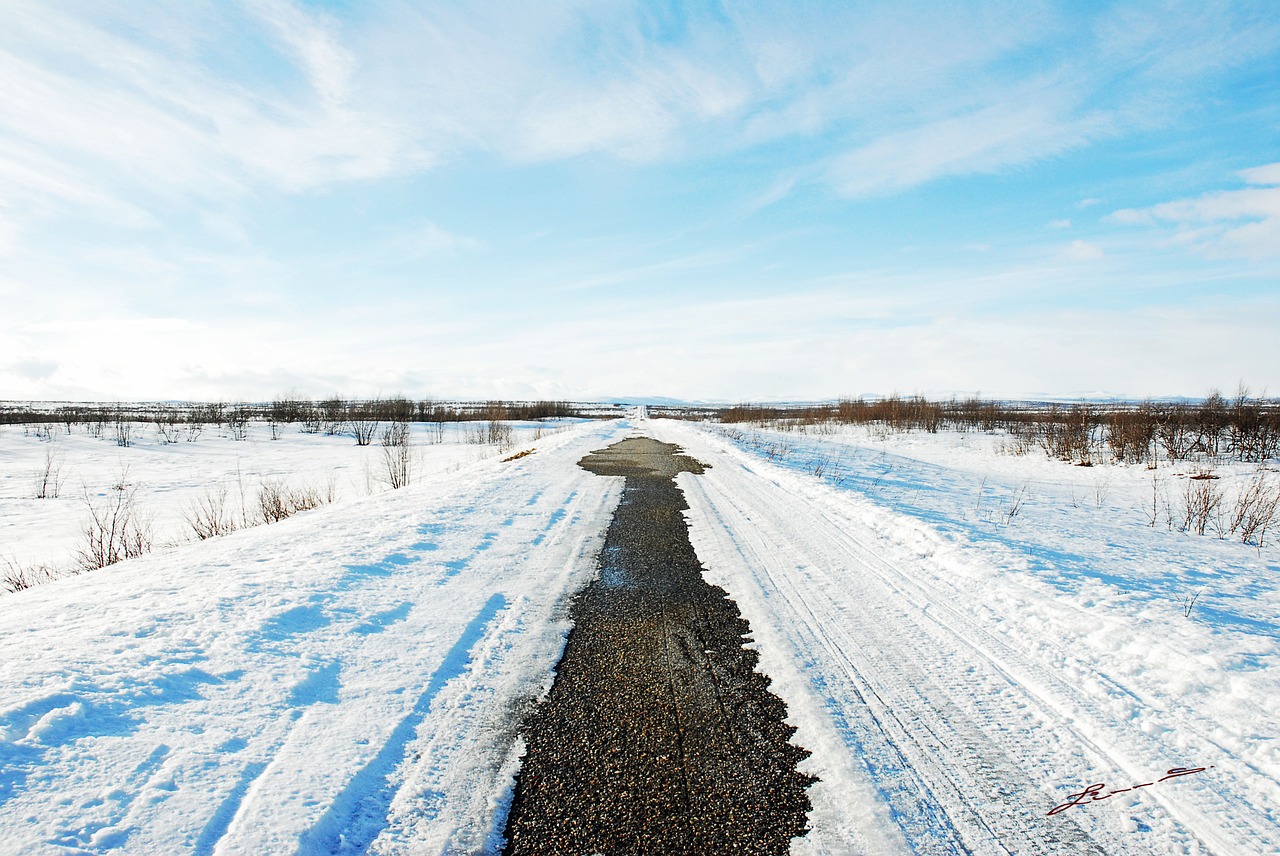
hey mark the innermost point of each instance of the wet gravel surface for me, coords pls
(658, 736)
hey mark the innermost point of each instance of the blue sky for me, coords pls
(578, 200)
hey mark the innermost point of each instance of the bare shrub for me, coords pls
(168, 422)
(115, 530)
(397, 455)
(278, 501)
(363, 418)
(1253, 433)
(499, 434)
(237, 419)
(49, 476)
(15, 577)
(1202, 501)
(208, 515)
(1129, 434)
(1175, 433)
(310, 422)
(273, 501)
(333, 413)
(198, 418)
(396, 434)
(123, 431)
(1255, 509)
(95, 423)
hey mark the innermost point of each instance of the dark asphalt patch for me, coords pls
(658, 735)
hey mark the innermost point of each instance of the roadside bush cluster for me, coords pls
(1243, 428)
(361, 418)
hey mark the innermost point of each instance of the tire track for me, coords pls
(961, 732)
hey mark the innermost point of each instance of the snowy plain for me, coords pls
(975, 668)
(351, 679)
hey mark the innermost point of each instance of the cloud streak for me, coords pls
(1231, 222)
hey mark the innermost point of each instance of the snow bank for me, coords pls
(348, 678)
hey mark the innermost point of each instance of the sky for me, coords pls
(588, 200)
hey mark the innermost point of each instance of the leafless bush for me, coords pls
(96, 424)
(499, 434)
(397, 455)
(1202, 501)
(1253, 433)
(168, 422)
(363, 418)
(1016, 502)
(124, 430)
(1255, 509)
(311, 421)
(15, 577)
(201, 416)
(1069, 436)
(208, 516)
(274, 502)
(1130, 433)
(1157, 493)
(396, 434)
(49, 477)
(277, 501)
(237, 419)
(115, 530)
(334, 415)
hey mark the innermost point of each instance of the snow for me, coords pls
(977, 668)
(170, 477)
(251, 693)
(964, 639)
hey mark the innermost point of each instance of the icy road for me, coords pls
(353, 680)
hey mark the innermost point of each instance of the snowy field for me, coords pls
(965, 639)
(975, 636)
(169, 479)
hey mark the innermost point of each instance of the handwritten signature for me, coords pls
(1093, 793)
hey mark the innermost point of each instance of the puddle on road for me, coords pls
(658, 734)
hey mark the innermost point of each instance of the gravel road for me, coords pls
(658, 735)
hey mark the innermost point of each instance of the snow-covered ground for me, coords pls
(973, 668)
(168, 478)
(963, 638)
(251, 693)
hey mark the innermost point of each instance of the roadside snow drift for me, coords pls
(348, 680)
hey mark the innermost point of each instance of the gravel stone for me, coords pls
(658, 735)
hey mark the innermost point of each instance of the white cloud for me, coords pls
(313, 40)
(983, 141)
(1060, 224)
(1227, 222)
(433, 239)
(1082, 251)
(124, 103)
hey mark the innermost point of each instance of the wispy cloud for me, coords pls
(287, 173)
(985, 141)
(1244, 221)
(1081, 251)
